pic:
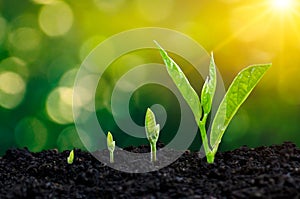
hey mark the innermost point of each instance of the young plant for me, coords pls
(237, 93)
(70, 158)
(111, 147)
(152, 132)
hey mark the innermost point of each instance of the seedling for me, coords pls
(237, 93)
(111, 147)
(152, 132)
(70, 158)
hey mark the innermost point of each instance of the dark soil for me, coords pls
(263, 172)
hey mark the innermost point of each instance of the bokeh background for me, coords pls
(43, 42)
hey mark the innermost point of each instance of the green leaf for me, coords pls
(182, 83)
(237, 93)
(110, 142)
(70, 158)
(209, 87)
(152, 129)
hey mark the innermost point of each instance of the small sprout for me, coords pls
(70, 159)
(237, 93)
(152, 132)
(111, 146)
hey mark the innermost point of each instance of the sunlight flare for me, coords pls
(282, 5)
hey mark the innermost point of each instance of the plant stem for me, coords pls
(209, 154)
(153, 152)
(111, 156)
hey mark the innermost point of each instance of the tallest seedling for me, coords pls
(237, 93)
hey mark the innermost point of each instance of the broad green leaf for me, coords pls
(209, 87)
(182, 83)
(237, 93)
(110, 142)
(152, 129)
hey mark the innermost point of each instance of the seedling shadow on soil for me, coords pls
(263, 172)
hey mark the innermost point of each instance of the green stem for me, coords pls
(153, 152)
(209, 154)
(111, 156)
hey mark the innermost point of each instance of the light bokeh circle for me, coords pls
(12, 89)
(56, 18)
(99, 60)
(59, 105)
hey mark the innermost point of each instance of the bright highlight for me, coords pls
(12, 89)
(56, 19)
(282, 4)
(59, 105)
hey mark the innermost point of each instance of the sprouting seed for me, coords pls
(111, 147)
(70, 158)
(152, 132)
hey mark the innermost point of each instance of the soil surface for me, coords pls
(263, 172)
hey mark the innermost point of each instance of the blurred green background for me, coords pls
(43, 42)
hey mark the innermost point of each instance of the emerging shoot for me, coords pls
(237, 93)
(152, 132)
(111, 147)
(70, 158)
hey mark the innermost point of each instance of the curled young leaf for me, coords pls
(209, 87)
(152, 129)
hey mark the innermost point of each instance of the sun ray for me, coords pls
(277, 11)
(240, 31)
(295, 26)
